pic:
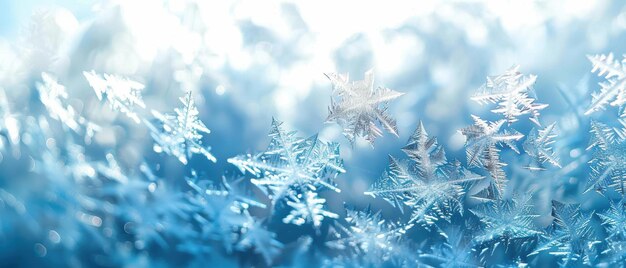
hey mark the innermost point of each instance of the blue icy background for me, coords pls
(254, 60)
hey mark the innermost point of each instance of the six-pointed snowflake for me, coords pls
(513, 93)
(482, 140)
(181, 132)
(357, 106)
(507, 221)
(292, 162)
(426, 183)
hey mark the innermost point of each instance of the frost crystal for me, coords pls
(456, 252)
(614, 219)
(221, 210)
(601, 136)
(482, 151)
(608, 167)
(506, 221)
(513, 93)
(367, 235)
(65, 201)
(230, 189)
(122, 94)
(613, 90)
(295, 167)
(538, 144)
(292, 163)
(181, 132)
(157, 214)
(569, 235)
(307, 209)
(357, 107)
(261, 240)
(424, 183)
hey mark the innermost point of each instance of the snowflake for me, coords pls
(455, 252)
(538, 144)
(602, 136)
(292, 163)
(569, 236)
(513, 93)
(612, 91)
(157, 215)
(621, 131)
(617, 252)
(368, 236)
(221, 210)
(608, 166)
(615, 219)
(424, 182)
(357, 107)
(507, 222)
(233, 189)
(150, 209)
(180, 135)
(482, 139)
(122, 94)
(261, 240)
(307, 209)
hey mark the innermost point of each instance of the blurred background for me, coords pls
(249, 61)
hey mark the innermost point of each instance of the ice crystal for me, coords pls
(261, 240)
(230, 189)
(616, 252)
(455, 252)
(613, 90)
(514, 94)
(149, 209)
(614, 219)
(609, 163)
(569, 235)
(357, 106)
(69, 197)
(482, 140)
(180, 133)
(539, 143)
(122, 94)
(158, 212)
(292, 163)
(507, 221)
(425, 183)
(221, 210)
(602, 136)
(367, 235)
(307, 208)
